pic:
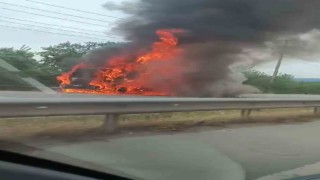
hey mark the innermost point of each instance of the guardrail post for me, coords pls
(110, 122)
(243, 112)
(246, 112)
(316, 110)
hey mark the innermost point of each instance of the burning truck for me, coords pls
(80, 82)
(123, 75)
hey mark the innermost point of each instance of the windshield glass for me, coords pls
(150, 89)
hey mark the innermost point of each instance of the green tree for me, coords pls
(283, 84)
(21, 59)
(62, 57)
(258, 79)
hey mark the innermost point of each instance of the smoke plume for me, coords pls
(218, 34)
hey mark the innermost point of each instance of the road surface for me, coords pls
(259, 149)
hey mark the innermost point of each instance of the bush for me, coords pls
(283, 84)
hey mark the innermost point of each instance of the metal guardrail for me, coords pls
(112, 106)
(22, 107)
(278, 96)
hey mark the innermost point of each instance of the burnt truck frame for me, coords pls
(81, 78)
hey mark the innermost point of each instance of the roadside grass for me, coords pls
(212, 117)
(17, 128)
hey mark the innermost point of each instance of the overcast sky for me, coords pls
(11, 37)
(15, 35)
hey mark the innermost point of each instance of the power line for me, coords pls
(50, 24)
(55, 25)
(54, 28)
(12, 27)
(78, 10)
(53, 17)
(71, 15)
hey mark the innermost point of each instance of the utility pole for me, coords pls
(276, 70)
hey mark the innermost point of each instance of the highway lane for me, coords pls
(155, 158)
(260, 150)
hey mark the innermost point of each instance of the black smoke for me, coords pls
(212, 20)
(217, 32)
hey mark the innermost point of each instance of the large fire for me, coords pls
(121, 76)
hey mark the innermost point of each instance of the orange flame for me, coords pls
(122, 77)
(64, 78)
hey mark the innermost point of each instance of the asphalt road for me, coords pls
(260, 150)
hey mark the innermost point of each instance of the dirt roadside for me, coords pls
(82, 127)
